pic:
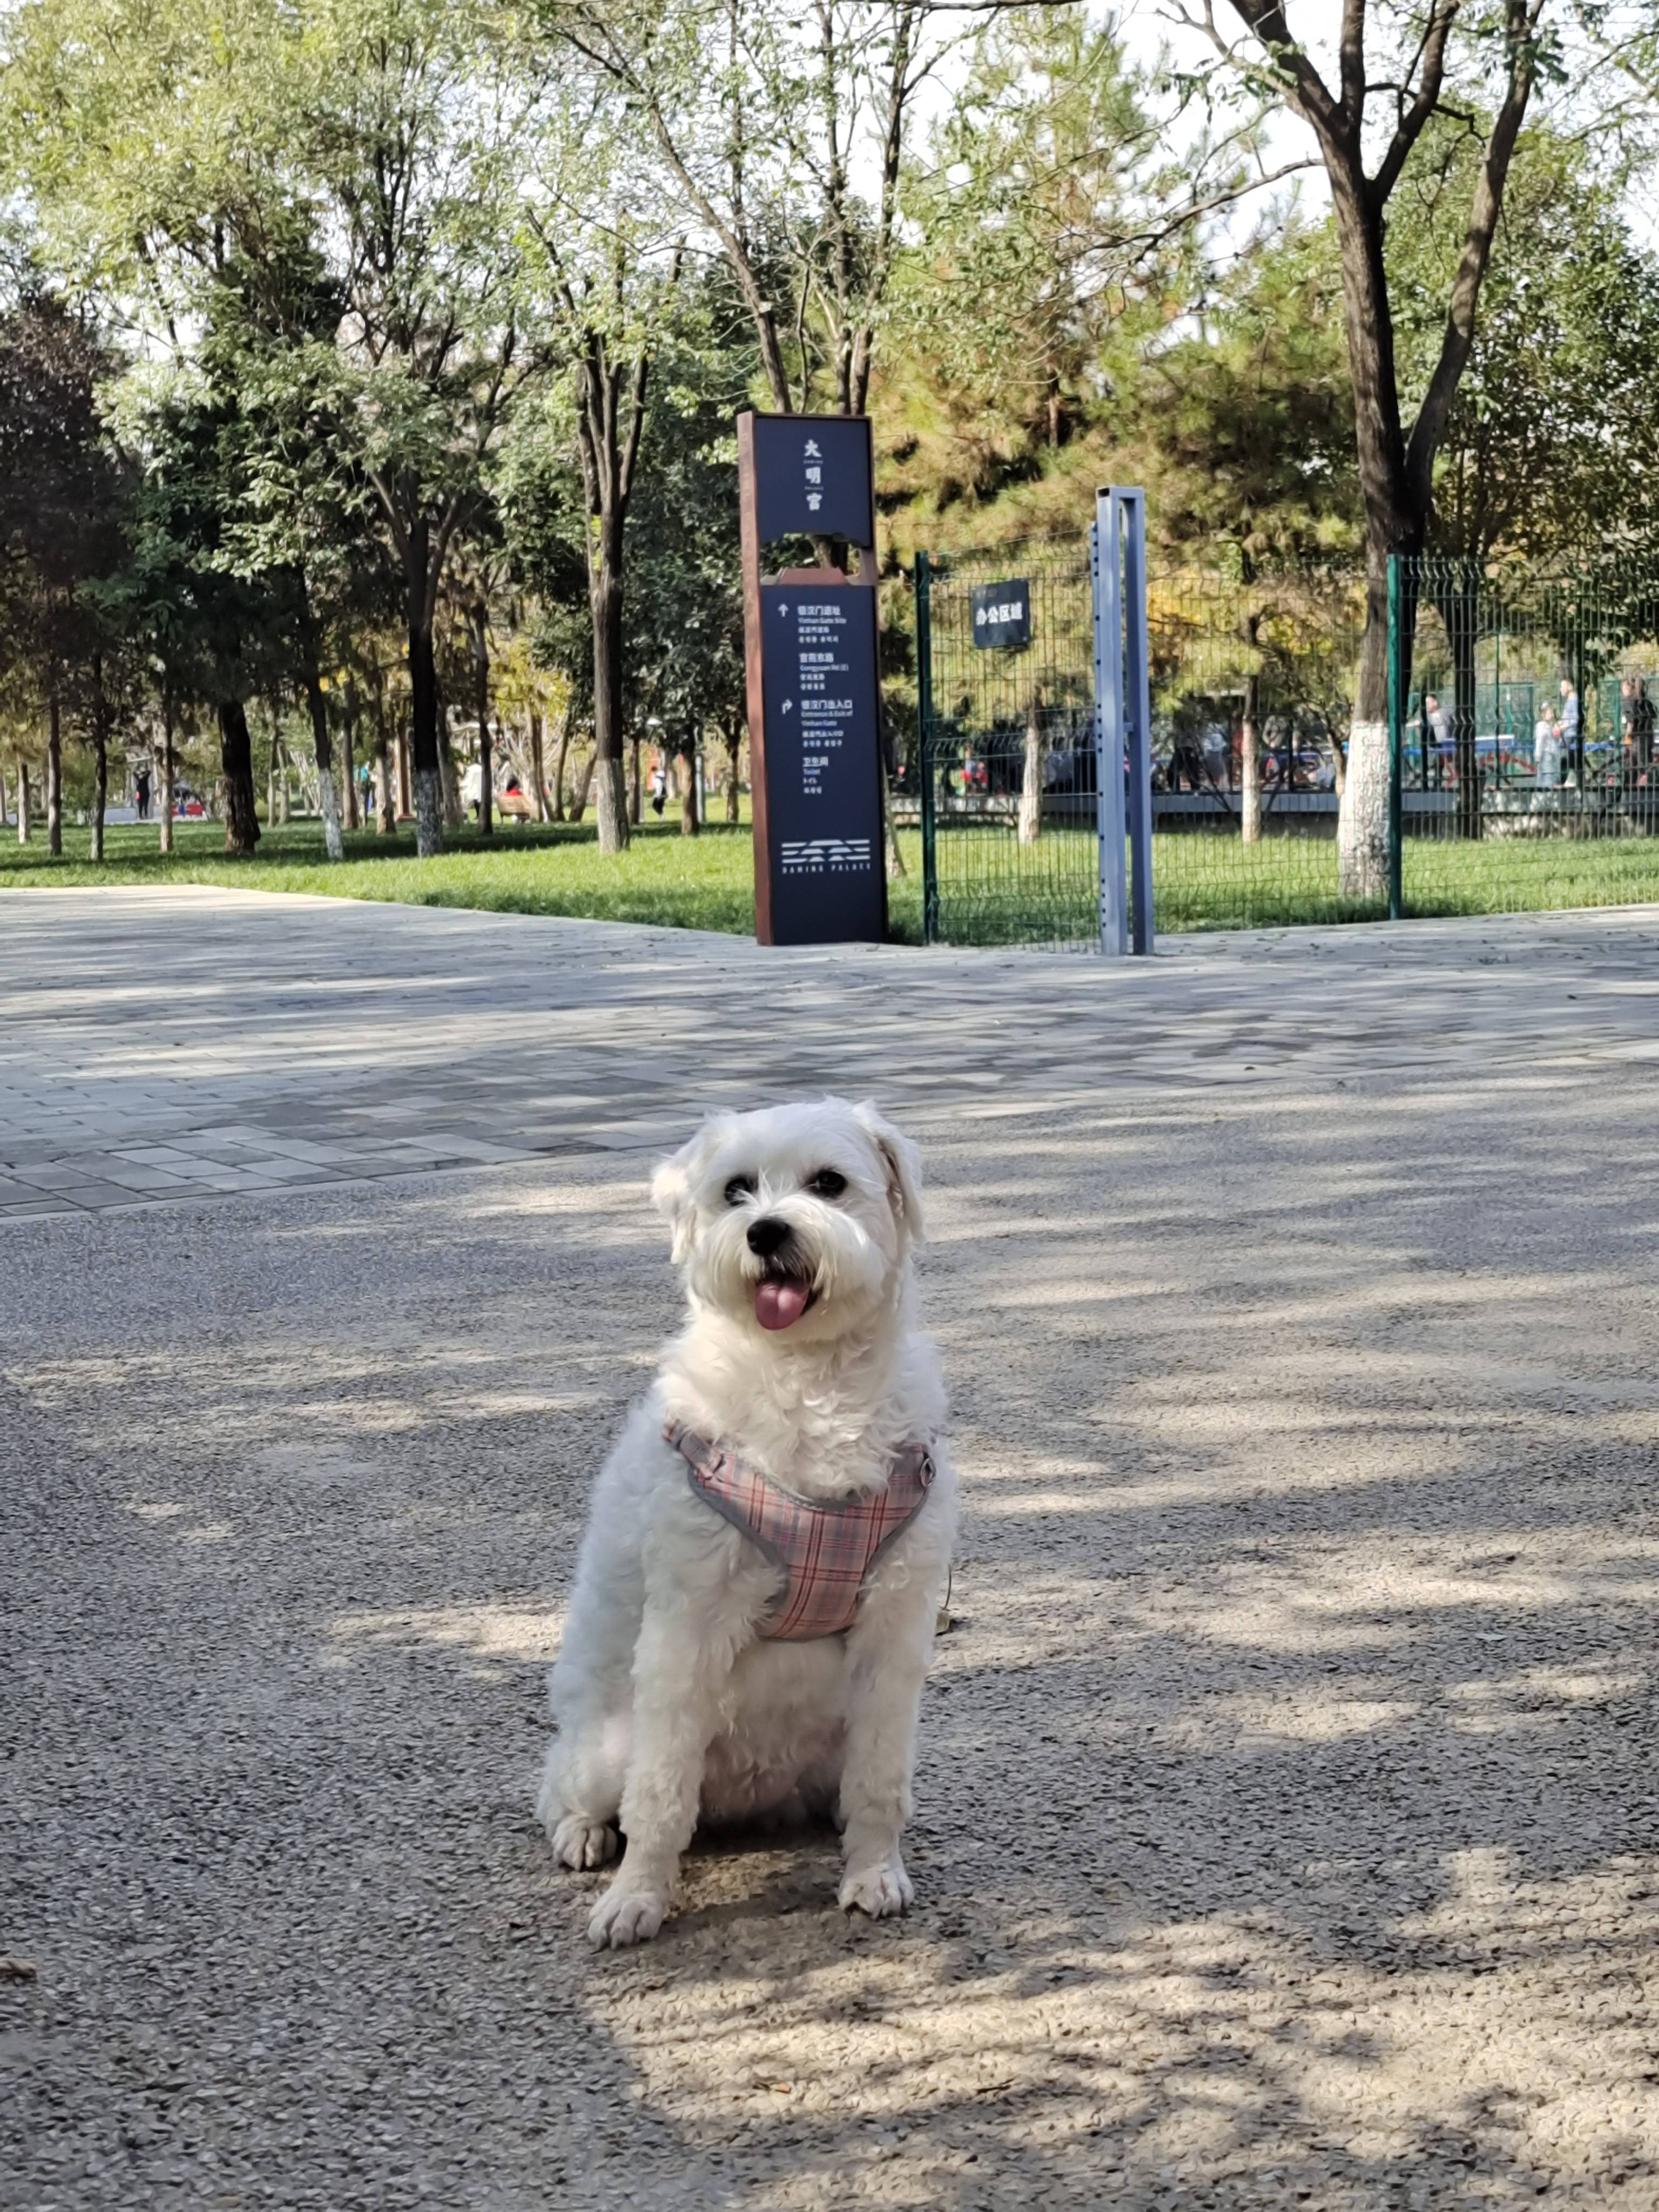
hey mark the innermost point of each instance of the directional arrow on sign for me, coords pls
(787, 708)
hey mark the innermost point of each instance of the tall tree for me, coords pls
(764, 126)
(609, 318)
(418, 127)
(1397, 68)
(1243, 434)
(63, 499)
(1551, 442)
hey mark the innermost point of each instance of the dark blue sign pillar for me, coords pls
(811, 641)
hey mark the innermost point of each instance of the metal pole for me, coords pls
(1106, 571)
(1138, 702)
(925, 748)
(1396, 720)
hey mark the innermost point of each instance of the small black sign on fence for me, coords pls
(1002, 613)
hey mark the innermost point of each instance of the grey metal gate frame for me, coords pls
(1123, 716)
(1120, 715)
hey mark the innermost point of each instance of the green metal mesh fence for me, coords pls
(1528, 709)
(1252, 676)
(1528, 736)
(1007, 786)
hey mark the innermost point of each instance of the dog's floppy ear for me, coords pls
(672, 1184)
(903, 1163)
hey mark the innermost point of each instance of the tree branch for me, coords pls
(1520, 29)
(1430, 59)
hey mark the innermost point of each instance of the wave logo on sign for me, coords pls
(824, 854)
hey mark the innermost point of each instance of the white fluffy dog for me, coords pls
(758, 1587)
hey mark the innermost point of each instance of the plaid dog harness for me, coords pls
(825, 1550)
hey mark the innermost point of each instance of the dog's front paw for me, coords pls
(581, 1842)
(880, 1890)
(624, 1917)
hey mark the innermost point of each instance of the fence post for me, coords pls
(1138, 703)
(1106, 576)
(924, 749)
(1396, 733)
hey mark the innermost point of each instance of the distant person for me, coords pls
(1642, 719)
(1570, 726)
(659, 785)
(1442, 732)
(472, 786)
(141, 794)
(1545, 749)
(1627, 730)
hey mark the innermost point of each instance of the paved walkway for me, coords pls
(158, 1046)
(1288, 1826)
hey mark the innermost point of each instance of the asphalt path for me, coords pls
(1287, 1823)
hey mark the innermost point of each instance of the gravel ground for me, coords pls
(1287, 1826)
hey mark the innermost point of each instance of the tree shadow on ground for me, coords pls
(1285, 1830)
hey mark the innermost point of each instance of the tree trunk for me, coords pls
(328, 798)
(349, 756)
(100, 792)
(23, 802)
(236, 762)
(405, 776)
(99, 756)
(538, 766)
(386, 812)
(560, 752)
(1394, 521)
(690, 823)
(1362, 820)
(1249, 804)
(486, 765)
(584, 782)
(635, 793)
(606, 602)
(423, 695)
(165, 825)
(4, 816)
(454, 812)
(385, 792)
(895, 868)
(733, 796)
(1031, 782)
(54, 777)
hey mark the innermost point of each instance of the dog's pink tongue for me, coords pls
(778, 1304)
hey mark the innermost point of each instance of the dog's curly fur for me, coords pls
(668, 1703)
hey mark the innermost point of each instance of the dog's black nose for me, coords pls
(767, 1235)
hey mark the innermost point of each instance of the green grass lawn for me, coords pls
(705, 882)
(1205, 881)
(993, 891)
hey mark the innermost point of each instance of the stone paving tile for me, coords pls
(93, 1194)
(133, 1177)
(51, 1174)
(528, 1036)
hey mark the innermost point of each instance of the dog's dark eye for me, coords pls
(826, 1183)
(738, 1189)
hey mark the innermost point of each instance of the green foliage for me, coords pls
(1553, 439)
(329, 303)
